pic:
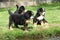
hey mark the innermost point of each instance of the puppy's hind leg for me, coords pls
(10, 25)
(46, 25)
(16, 25)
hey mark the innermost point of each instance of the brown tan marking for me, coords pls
(28, 21)
(11, 27)
(35, 24)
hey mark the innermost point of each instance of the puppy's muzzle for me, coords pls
(32, 17)
(43, 13)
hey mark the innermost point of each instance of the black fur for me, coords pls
(20, 9)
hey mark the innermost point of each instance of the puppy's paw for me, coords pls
(25, 30)
(11, 28)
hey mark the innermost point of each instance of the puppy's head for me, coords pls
(21, 9)
(28, 14)
(41, 11)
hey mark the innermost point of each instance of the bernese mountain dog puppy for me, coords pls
(20, 10)
(19, 19)
(39, 17)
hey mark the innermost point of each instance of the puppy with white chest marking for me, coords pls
(39, 17)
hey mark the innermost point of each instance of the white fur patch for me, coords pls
(40, 17)
(25, 11)
(43, 13)
(31, 17)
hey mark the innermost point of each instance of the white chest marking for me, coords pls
(40, 17)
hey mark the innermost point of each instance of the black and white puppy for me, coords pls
(19, 19)
(39, 17)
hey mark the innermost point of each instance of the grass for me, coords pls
(52, 16)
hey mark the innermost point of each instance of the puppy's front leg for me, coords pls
(42, 23)
(35, 24)
(25, 27)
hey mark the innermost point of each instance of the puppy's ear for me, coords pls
(17, 6)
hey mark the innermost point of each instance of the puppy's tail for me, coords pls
(9, 11)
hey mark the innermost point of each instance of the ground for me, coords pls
(52, 16)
